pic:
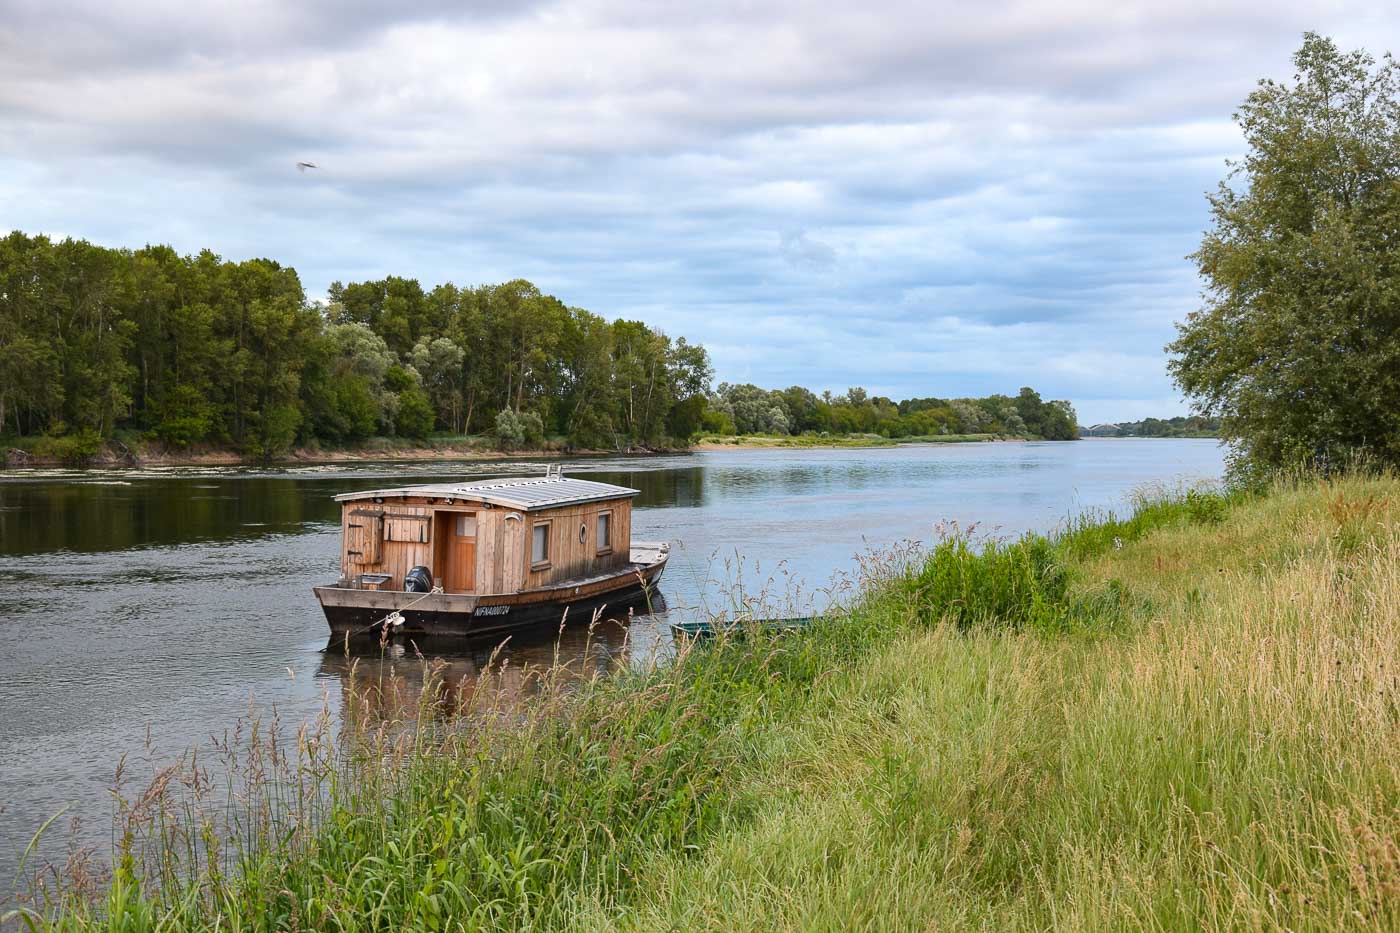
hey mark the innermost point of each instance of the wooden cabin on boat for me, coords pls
(445, 558)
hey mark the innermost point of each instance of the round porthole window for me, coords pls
(583, 533)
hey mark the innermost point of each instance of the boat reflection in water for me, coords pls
(406, 679)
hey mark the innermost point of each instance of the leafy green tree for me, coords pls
(415, 418)
(800, 407)
(1297, 347)
(440, 362)
(1030, 408)
(517, 429)
(92, 287)
(686, 418)
(465, 310)
(279, 330)
(184, 416)
(357, 408)
(755, 410)
(270, 329)
(690, 374)
(394, 308)
(587, 392)
(971, 419)
(521, 341)
(717, 421)
(397, 378)
(360, 365)
(642, 361)
(31, 372)
(1059, 422)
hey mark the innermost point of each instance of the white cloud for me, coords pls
(949, 199)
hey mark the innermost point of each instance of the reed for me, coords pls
(1182, 718)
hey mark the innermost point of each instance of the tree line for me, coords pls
(197, 350)
(748, 409)
(1178, 426)
(99, 343)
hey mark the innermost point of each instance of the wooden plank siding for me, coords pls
(394, 557)
(398, 534)
(570, 557)
(512, 557)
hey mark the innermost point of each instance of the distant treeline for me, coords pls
(197, 350)
(747, 409)
(1180, 426)
(97, 343)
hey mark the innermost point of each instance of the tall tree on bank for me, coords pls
(1297, 348)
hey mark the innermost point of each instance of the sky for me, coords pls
(922, 199)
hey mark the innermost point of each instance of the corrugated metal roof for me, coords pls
(526, 494)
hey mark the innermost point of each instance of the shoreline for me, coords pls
(110, 459)
(113, 457)
(801, 442)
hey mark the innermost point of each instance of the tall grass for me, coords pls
(1179, 719)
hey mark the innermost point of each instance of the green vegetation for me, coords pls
(193, 352)
(1297, 349)
(190, 351)
(1181, 718)
(1187, 426)
(748, 410)
(827, 440)
(196, 352)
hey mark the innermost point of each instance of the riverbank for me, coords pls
(32, 452)
(1182, 719)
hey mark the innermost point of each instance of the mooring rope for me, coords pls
(437, 590)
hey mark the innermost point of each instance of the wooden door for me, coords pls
(364, 534)
(456, 550)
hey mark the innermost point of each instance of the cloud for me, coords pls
(947, 199)
(803, 251)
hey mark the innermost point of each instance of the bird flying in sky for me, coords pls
(303, 166)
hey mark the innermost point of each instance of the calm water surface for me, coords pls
(167, 603)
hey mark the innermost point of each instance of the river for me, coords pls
(144, 611)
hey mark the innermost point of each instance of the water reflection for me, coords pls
(97, 513)
(407, 678)
(84, 516)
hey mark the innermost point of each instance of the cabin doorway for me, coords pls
(454, 551)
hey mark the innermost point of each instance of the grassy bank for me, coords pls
(1184, 718)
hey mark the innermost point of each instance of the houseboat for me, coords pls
(479, 558)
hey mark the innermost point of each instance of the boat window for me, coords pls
(604, 531)
(411, 528)
(539, 550)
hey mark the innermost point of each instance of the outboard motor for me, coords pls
(418, 580)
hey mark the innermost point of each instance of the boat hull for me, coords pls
(356, 613)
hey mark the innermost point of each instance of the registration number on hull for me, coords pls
(492, 610)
